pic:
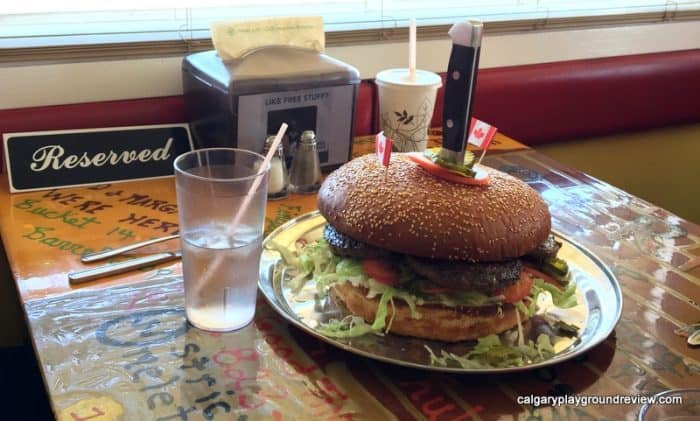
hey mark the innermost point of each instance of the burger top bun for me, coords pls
(407, 210)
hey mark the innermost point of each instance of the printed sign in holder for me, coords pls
(69, 158)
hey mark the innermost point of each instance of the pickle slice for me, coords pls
(557, 268)
(465, 169)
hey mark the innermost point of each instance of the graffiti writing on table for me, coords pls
(151, 327)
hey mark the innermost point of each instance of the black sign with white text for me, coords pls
(41, 160)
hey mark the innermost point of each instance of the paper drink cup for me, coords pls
(406, 107)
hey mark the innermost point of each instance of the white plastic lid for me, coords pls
(400, 77)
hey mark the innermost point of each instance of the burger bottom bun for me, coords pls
(436, 322)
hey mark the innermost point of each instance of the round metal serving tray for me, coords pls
(596, 285)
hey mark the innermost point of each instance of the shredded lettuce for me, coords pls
(317, 262)
(348, 327)
(484, 344)
(529, 309)
(352, 326)
(522, 308)
(544, 346)
(489, 352)
(288, 257)
(349, 267)
(377, 288)
(565, 298)
(314, 261)
(382, 311)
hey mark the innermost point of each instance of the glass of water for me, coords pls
(221, 199)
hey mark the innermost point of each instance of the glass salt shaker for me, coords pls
(278, 181)
(305, 174)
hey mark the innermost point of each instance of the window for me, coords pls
(176, 26)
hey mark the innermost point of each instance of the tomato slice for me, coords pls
(539, 274)
(480, 179)
(381, 271)
(518, 290)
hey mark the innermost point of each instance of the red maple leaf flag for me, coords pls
(382, 147)
(480, 133)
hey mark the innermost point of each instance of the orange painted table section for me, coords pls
(119, 348)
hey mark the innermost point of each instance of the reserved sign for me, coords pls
(67, 158)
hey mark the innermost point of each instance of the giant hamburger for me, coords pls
(451, 257)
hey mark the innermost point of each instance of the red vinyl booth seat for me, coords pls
(534, 104)
(550, 102)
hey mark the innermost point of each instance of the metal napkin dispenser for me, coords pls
(239, 103)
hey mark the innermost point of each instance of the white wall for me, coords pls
(50, 84)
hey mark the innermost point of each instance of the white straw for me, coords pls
(412, 50)
(241, 210)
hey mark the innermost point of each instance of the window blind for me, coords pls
(183, 25)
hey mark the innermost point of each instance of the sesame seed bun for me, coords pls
(436, 322)
(406, 210)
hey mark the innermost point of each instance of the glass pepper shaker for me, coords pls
(278, 181)
(305, 174)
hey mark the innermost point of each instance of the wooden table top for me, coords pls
(120, 347)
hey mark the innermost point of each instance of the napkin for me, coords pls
(233, 39)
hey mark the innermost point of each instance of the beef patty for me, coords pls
(482, 277)
(487, 278)
(344, 246)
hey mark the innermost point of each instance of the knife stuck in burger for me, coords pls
(452, 161)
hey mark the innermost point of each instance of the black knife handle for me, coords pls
(459, 94)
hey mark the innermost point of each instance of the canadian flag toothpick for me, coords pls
(480, 135)
(382, 146)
